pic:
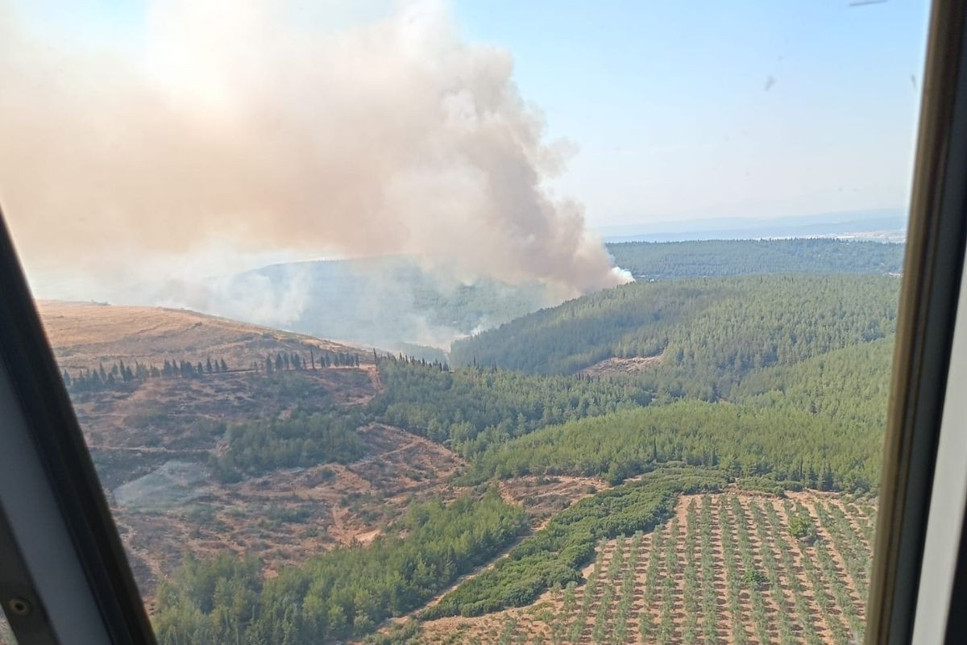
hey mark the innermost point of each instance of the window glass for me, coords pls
(482, 322)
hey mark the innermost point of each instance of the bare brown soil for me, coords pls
(288, 516)
(165, 415)
(614, 365)
(542, 497)
(546, 621)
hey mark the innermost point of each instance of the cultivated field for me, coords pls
(731, 568)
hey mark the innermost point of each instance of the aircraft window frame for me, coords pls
(39, 421)
(928, 303)
(931, 284)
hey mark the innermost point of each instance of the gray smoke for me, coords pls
(244, 128)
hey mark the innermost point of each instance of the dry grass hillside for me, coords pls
(82, 334)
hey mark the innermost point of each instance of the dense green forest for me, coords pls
(471, 408)
(713, 331)
(301, 439)
(816, 423)
(849, 385)
(792, 447)
(709, 258)
(343, 593)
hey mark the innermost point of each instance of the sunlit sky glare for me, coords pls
(697, 109)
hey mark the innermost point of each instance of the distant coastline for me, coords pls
(880, 225)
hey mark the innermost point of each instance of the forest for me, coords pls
(711, 332)
(471, 408)
(774, 383)
(817, 424)
(709, 258)
(796, 449)
(300, 440)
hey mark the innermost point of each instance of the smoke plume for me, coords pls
(246, 126)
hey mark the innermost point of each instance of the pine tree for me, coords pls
(826, 478)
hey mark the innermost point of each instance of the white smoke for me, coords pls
(243, 127)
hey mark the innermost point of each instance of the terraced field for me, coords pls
(731, 568)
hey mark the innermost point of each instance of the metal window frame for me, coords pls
(62, 552)
(83, 554)
(928, 303)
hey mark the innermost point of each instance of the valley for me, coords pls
(404, 304)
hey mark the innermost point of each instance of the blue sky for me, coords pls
(679, 110)
(710, 109)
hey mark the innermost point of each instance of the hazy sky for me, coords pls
(676, 109)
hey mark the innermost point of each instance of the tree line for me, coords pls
(286, 361)
(793, 448)
(99, 378)
(120, 373)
